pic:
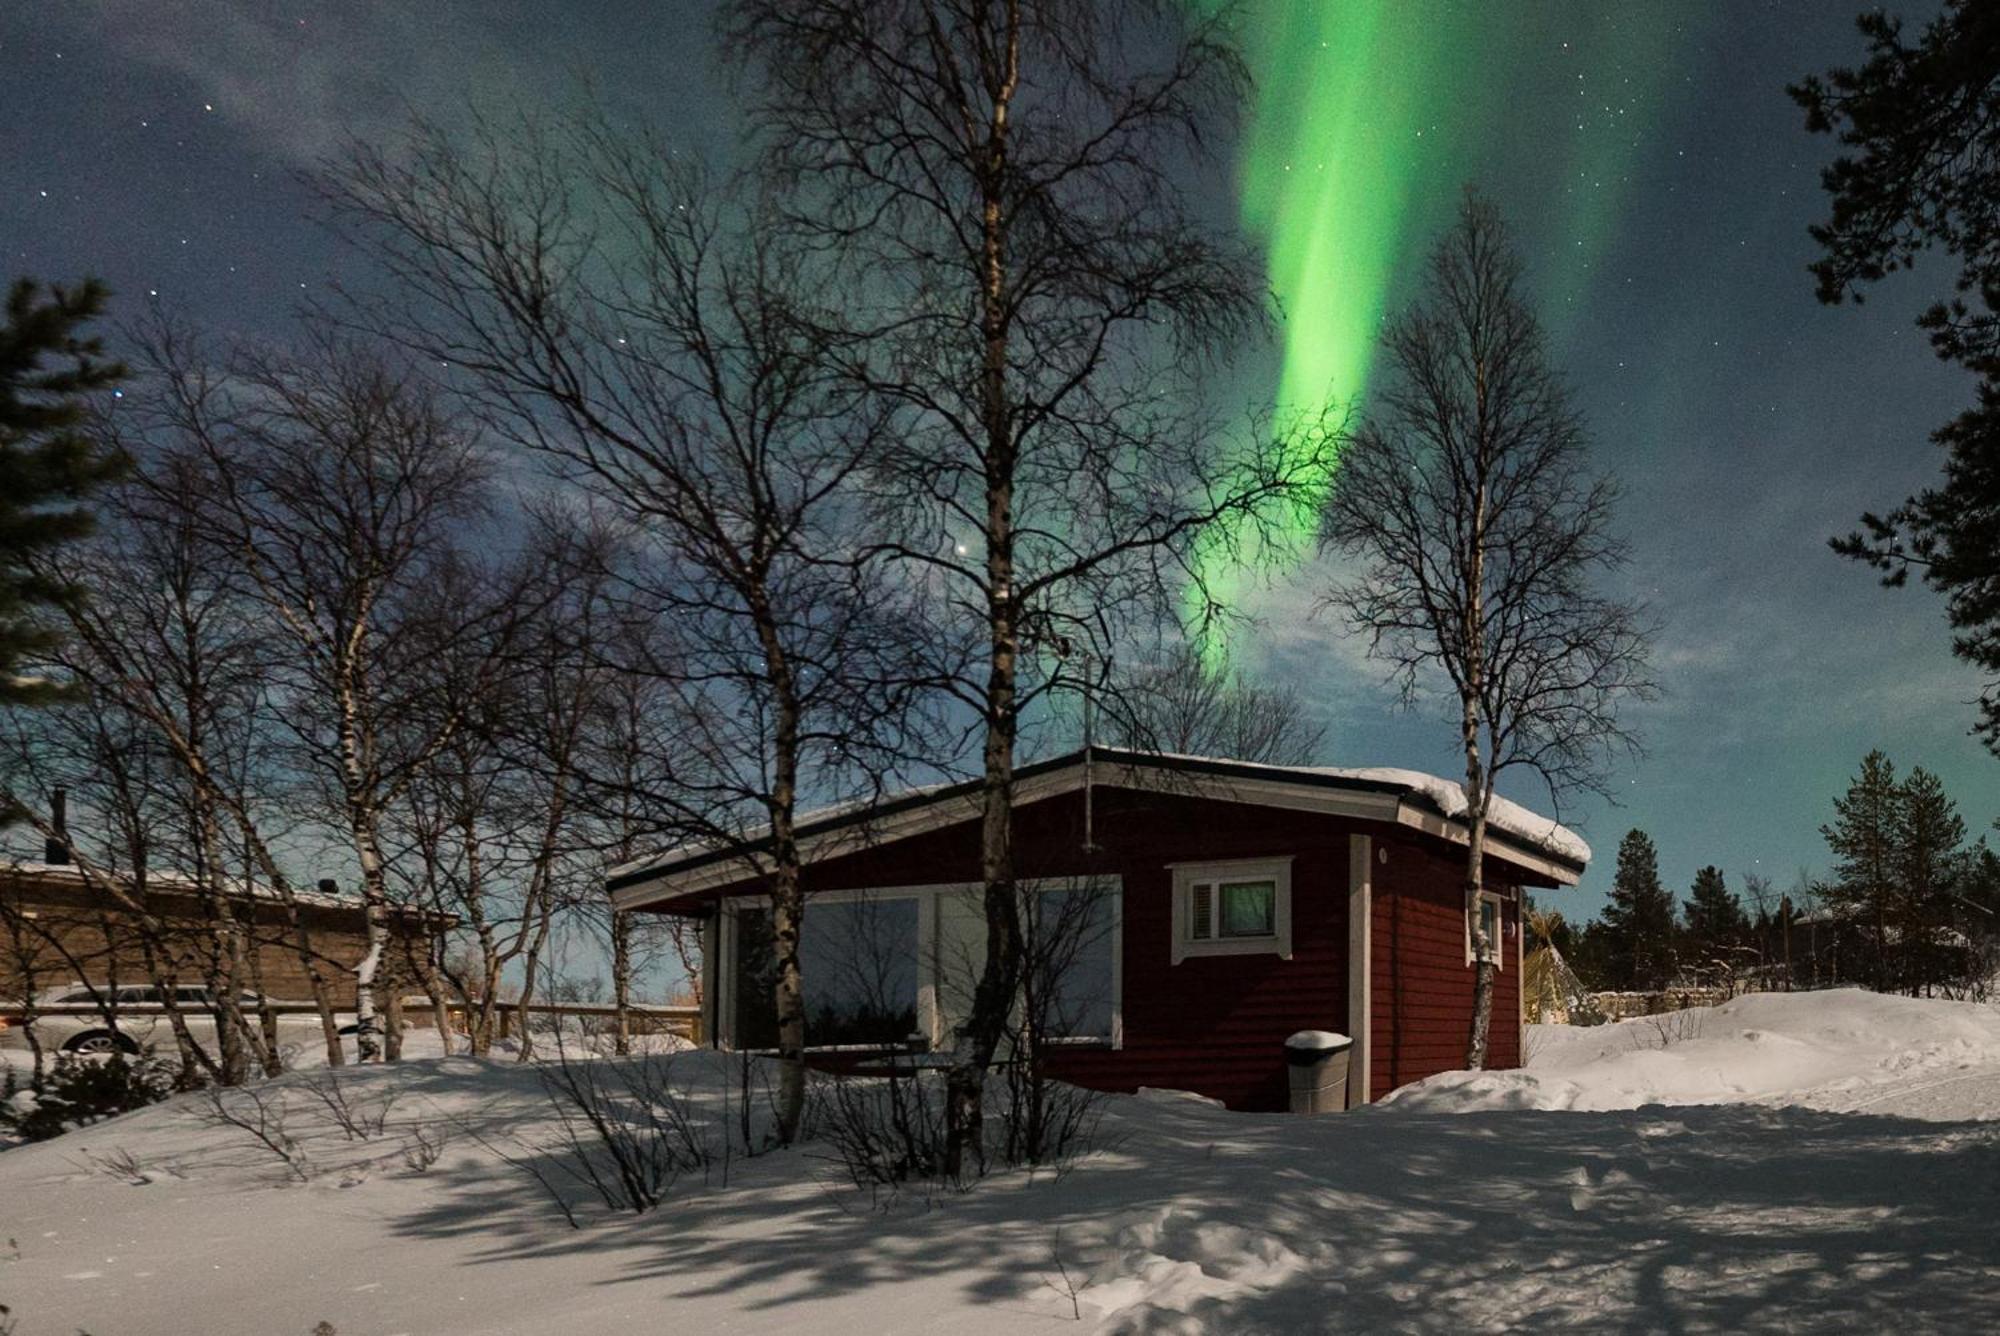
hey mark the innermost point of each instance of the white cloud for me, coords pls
(299, 86)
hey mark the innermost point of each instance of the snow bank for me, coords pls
(1473, 1202)
(1841, 1049)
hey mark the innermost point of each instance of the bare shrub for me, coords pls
(359, 1119)
(424, 1147)
(624, 1135)
(892, 1127)
(126, 1167)
(1065, 997)
(1048, 1123)
(259, 1112)
(884, 1130)
(1669, 1028)
(1067, 1287)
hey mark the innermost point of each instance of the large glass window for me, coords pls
(1071, 940)
(859, 962)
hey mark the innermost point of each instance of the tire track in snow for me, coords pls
(1987, 1108)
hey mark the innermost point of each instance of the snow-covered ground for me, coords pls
(1841, 1051)
(1779, 1163)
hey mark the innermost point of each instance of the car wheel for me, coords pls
(100, 1043)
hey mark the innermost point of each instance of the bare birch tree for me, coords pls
(350, 502)
(1190, 707)
(127, 791)
(487, 826)
(996, 178)
(1467, 504)
(159, 635)
(628, 322)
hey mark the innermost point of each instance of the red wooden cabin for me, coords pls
(1197, 912)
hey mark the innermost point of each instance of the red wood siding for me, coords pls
(1423, 986)
(1217, 1024)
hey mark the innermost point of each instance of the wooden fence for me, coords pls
(682, 1021)
(676, 1020)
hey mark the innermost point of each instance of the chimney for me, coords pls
(55, 849)
(328, 886)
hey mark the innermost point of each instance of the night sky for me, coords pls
(1659, 181)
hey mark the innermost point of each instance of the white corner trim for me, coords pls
(1360, 965)
(1521, 973)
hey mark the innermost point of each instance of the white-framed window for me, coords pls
(1493, 924)
(1240, 907)
(859, 954)
(882, 964)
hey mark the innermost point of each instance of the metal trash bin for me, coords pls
(1317, 1063)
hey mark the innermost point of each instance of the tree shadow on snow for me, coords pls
(1661, 1219)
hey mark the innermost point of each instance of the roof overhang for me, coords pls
(690, 872)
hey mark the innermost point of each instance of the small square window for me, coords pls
(1492, 927)
(1235, 908)
(1249, 908)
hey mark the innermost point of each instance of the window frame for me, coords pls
(930, 1020)
(1216, 873)
(1499, 946)
(726, 1027)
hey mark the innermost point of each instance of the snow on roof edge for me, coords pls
(1503, 814)
(29, 867)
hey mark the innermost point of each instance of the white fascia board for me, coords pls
(1257, 791)
(1422, 818)
(840, 840)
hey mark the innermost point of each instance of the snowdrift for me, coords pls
(1825, 1167)
(1845, 1050)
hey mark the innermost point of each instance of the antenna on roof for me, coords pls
(1089, 723)
(1089, 840)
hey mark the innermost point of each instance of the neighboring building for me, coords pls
(59, 926)
(1218, 906)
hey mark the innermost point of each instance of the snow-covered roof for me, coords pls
(1502, 814)
(1517, 832)
(38, 870)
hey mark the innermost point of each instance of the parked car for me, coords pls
(85, 1018)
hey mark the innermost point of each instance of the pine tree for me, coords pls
(1930, 857)
(1864, 839)
(1981, 882)
(48, 463)
(1640, 918)
(1979, 892)
(1716, 923)
(1919, 121)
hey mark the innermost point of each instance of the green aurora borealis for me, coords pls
(1370, 116)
